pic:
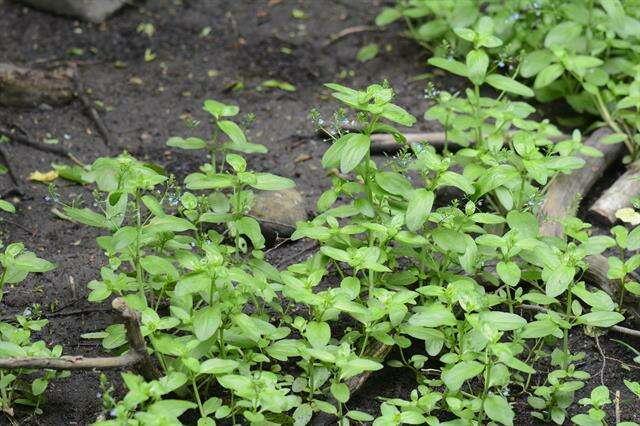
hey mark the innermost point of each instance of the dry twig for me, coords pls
(91, 111)
(24, 140)
(349, 31)
(137, 354)
(617, 328)
(604, 360)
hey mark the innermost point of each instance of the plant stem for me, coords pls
(565, 340)
(3, 392)
(622, 291)
(2, 279)
(487, 380)
(138, 266)
(197, 395)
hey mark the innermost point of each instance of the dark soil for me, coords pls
(245, 45)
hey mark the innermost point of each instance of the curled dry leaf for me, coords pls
(44, 177)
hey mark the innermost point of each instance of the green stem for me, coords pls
(487, 380)
(223, 349)
(364, 343)
(622, 291)
(3, 391)
(138, 266)
(2, 279)
(565, 340)
(604, 111)
(197, 395)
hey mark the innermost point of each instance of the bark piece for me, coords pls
(560, 200)
(26, 88)
(619, 195)
(87, 10)
(278, 212)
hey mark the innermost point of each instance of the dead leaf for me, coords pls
(302, 158)
(628, 215)
(43, 177)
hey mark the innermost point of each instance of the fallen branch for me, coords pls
(349, 31)
(619, 195)
(51, 149)
(561, 202)
(297, 254)
(137, 354)
(60, 312)
(378, 351)
(4, 155)
(91, 111)
(71, 362)
(617, 328)
(384, 143)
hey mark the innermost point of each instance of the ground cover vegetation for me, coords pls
(436, 250)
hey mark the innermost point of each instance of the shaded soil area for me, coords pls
(149, 101)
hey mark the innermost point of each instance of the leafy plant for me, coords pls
(578, 51)
(437, 249)
(25, 387)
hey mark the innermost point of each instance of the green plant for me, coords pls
(25, 387)
(17, 263)
(438, 249)
(578, 51)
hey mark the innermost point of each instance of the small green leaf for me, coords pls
(354, 151)
(318, 334)
(418, 208)
(218, 109)
(509, 85)
(601, 319)
(340, 392)
(548, 75)
(270, 182)
(451, 65)
(498, 409)
(206, 322)
(7, 206)
(477, 63)
(455, 376)
(509, 273)
(387, 16)
(189, 143)
(368, 52)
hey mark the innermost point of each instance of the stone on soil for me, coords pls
(278, 212)
(87, 10)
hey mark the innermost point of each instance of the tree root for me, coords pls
(619, 195)
(137, 355)
(560, 202)
(378, 351)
